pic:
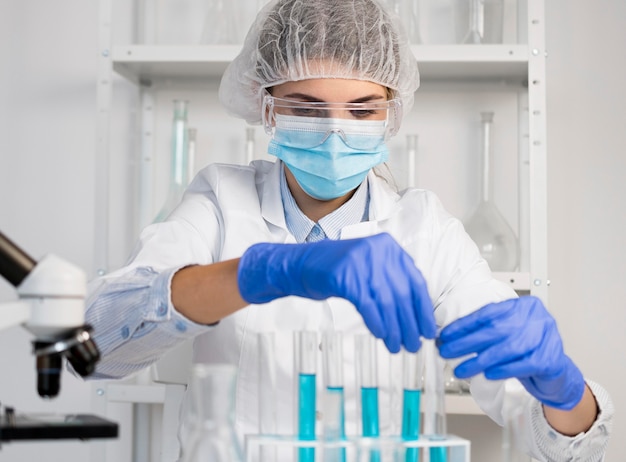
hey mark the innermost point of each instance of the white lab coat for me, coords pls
(227, 208)
(249, 209)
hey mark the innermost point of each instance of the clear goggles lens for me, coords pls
(329, 115)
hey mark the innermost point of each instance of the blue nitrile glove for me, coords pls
(374, 273)
(515, 338)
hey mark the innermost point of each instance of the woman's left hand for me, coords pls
(515, 338)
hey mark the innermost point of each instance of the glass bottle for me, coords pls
(179, 160)
(213, 436)
(494, 237)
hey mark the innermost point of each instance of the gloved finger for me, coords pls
(385, 297)
(422, 304)
(474, 342)
(510, 347)
(408, 325)
(368, 310)
(480, 319)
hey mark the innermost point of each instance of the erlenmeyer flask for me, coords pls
(494, 237)
(179, 161)
(213, 435)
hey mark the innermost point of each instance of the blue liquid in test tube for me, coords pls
(306, 416)
(367, 377)
(411, 422)
(306, 369)
(334, 414)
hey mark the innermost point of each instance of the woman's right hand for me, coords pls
(374, 273)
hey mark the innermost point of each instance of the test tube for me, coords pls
(334, 413)
(306, 365)
(413, 384)
(267, 392)
(367, 380)
(435, 426)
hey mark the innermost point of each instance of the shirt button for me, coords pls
(125, 332)
(162, 310)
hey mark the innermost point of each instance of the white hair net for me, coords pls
(306, 39)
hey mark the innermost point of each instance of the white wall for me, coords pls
(587, 191)
(47, 114)
(48, 53)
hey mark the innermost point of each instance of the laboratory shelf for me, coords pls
(148, 64)
(517, 281)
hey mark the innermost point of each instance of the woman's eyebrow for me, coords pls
(313, 99)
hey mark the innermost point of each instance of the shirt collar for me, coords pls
(298, 224)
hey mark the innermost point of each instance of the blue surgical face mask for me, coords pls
(328, 157)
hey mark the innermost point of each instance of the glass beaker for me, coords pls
(492, 234)
(179, 160)
(213, 437)
(485, 21)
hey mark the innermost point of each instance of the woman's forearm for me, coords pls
(207, 293)
(578, 420)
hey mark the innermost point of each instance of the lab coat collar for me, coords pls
(271, 201)
(383, 203)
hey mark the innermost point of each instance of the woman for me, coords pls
(318, 240)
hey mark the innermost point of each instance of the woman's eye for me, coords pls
(364, 113)
(307, 112)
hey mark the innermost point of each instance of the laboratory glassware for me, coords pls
(221, 24)
(334, 426)
(408, 12)
(485, 22)
(192, 135)
(213, 435)
(413, 385)
(367, 383)
(495, 239)
(267, 392)
(179, 162)
(434, 405)
(454, 385)
(306, 371)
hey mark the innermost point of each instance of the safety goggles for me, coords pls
(343, 116)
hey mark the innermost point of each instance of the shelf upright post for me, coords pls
(537, 150)
(101, 181)
(102, 161)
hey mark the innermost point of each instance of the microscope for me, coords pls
(51, 307)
